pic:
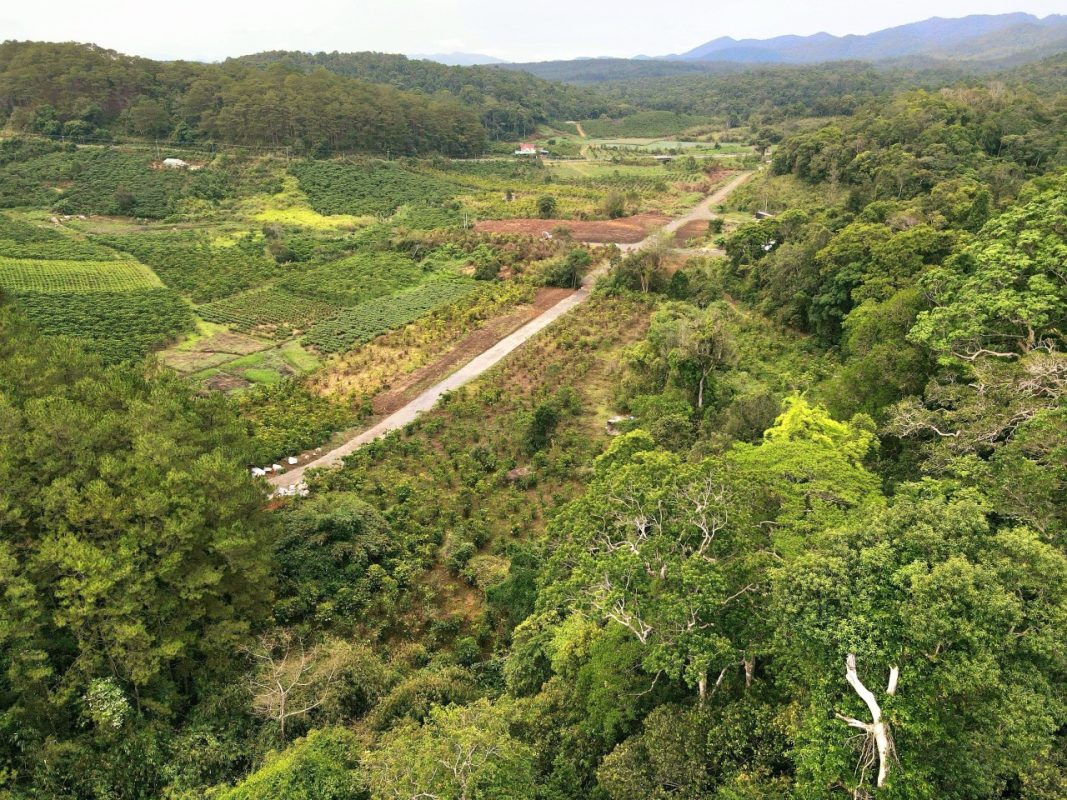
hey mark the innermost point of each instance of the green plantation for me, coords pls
(644, 124)
(120, 325)
(192, 263)
(270, 311)
(365, 321)
(41, 275)
(367, 187)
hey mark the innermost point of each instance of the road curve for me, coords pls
(488, 358)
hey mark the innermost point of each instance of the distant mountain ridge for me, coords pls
(458, 59)
(979, 36)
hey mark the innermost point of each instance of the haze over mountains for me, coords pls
(979, 36)
(1003, 38)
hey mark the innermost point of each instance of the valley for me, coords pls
(374, 428)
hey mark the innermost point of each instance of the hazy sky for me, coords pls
(511, 29)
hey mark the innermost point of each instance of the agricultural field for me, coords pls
(191, 262)
(374, 188)
(51, 275)
(117, 304)
(645, 124)
(367, 320)
(119, 325)
(310, 259)
(269, 312)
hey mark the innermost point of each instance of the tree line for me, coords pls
(86, 93)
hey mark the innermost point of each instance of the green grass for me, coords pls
(35, 275)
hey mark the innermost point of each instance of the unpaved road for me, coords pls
(484, 361)
(425, 401)
(701, 211)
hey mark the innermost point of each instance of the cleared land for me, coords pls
(628, 230)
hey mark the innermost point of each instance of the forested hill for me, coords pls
(87, 93)
(510, 103)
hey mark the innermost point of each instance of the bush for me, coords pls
(546, 206)
(321, 766)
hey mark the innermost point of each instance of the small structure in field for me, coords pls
(526, 149)
(614, 425)
(175, 163)
(763, 215)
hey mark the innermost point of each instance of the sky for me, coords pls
(515, 30)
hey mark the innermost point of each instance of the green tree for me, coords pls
(971, 615)
(322, 766)
(133, 544)
(459, 753)
(546, 206)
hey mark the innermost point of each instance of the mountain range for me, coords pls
(975, 37)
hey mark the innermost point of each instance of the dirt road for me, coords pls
(701, 211)
(479, 364)
(425, 401)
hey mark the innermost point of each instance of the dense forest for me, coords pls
(510, 103)
(782, 516)
(85, 93)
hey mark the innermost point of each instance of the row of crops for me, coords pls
(268, 311)
(117, 305)
(375, 188)
(192, 263)
(119, 326)
(367, 320)
(112, 181)
(41, 275)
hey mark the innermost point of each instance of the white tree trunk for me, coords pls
(877, 728)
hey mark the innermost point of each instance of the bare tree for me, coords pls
(878, 743)
(291, 680)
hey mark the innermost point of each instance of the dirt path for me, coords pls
(406, 388)
(701, 211)
(425, 401)
(474, 368)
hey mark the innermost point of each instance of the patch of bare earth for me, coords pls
(411, 385)
(212, 351)
(627, 230)
(225, 342)
(696, 229)
(223, 382)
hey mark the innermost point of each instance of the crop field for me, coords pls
(367, 320)
(644, 124)
(357, 278)
(376, 188)
(327, 253)
(192, 263)
(271, 312)
(117, 325)
(291, 207)
(38, 275)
